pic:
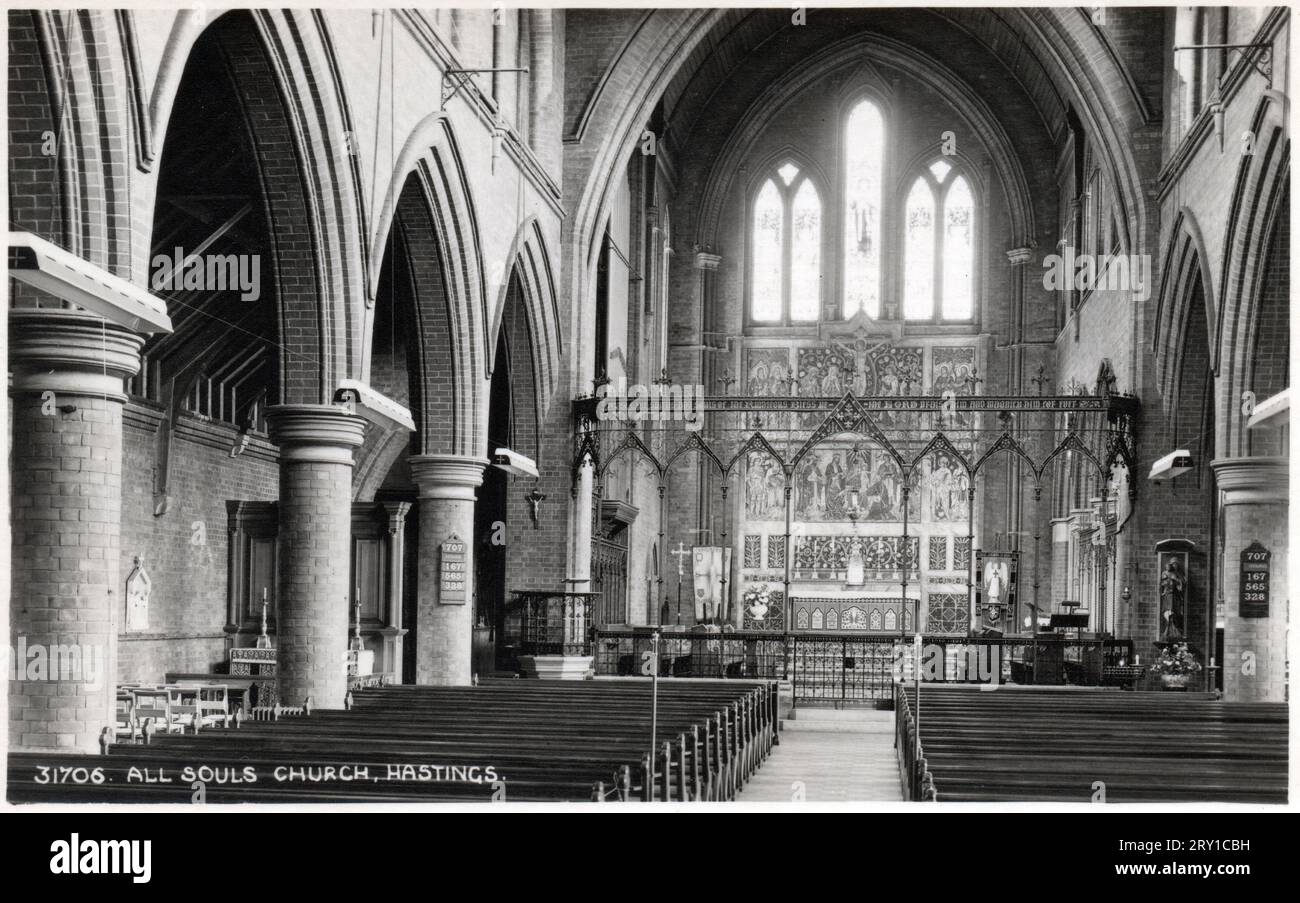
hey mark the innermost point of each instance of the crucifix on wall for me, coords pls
(858, 351)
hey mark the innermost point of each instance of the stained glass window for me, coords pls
(786, 252)
(864, 144)
(939, 246)
(918, 252)
(806, 254)
(769, 222)
(958, 253)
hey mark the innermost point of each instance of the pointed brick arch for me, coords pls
(284, 67)
(67, 81)
(1261, 191)
(531, 264)
(1186, 272)
(430, 195)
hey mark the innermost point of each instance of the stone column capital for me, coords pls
(317, 433)
(1019, 256)
(1252, 481)
(706, 261)
(447, 476)
(71, 352)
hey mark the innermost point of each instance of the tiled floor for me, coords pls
(829, 766)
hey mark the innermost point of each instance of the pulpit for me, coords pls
(555, 632)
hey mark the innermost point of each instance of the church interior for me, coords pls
(386, 385)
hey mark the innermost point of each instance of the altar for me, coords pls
(852, 609)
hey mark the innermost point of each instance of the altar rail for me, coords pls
(851, 668)
(914, 770)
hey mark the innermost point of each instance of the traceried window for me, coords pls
(864, 159)
(786, 248)
(939, 246)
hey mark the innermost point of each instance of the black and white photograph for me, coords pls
(664, 409)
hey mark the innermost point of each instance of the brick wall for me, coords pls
(185, 550)
(35, 188)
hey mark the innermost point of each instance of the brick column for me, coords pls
(443, 633)
(1254, 499)
(316, 443)
(68, 371)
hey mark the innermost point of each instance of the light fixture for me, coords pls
(374, 406)
(513, 462)
(66, 276)
(1171, 465)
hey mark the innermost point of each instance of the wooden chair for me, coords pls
(213, 702)
(126, 723)
(185, 707)
(153, 709)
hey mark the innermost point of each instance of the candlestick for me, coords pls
(263, 641)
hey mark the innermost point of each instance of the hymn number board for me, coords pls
(451, 571)
(1255, 569)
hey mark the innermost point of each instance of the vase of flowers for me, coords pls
(757, 600)
(1176, 666)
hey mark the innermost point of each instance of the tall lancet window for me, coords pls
(786, 249)
(939, 246)
(864, 161)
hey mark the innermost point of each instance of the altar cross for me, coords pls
(681, 552)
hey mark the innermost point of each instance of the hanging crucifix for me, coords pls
(1039, 379)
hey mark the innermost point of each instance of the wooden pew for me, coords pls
(546, 740)
(1079, 745)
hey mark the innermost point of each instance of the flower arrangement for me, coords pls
(757, 600)
(1176, 659)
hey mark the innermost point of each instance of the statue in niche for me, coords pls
(857, 568)
(138, 589)
(1173, 588)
